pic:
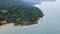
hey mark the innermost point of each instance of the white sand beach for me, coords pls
(6, 26)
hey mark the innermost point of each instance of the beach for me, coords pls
(5, 26)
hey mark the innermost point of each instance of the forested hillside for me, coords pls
(19, 14)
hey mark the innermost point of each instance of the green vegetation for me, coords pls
(19, 14)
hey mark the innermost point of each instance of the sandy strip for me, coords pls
(3, 27)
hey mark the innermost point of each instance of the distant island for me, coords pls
(19, 14)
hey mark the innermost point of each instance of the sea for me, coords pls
(49, 24)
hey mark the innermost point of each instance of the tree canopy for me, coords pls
(18, 14)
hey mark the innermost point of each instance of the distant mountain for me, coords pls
(15, 2)
(34, 2)
(24, 2)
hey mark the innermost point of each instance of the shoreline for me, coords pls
(5, 26)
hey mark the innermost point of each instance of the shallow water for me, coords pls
(50, 24)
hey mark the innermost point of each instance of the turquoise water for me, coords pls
(50, 24)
